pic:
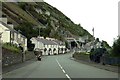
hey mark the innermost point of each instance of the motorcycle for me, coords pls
(39, 57)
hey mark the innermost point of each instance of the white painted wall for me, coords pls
(5, 34)
(42, 46)
(34, 41)
(56, 47)
(62, 46)
(38, 44)
(26, 44)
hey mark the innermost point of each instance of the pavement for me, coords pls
(59, 67)
(17, 66)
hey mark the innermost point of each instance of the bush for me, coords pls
(31, 47)
(116, 48)
(95, 54)
(11, 47)
(77, 53)
(81, 56)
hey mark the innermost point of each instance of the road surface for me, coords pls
(59, 66)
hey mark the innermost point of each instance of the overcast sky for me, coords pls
(100, 14)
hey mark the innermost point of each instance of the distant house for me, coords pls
(12, 36)
(38, 44)
(49, 46)
(47, 13)
(61, 47)
(38, 10)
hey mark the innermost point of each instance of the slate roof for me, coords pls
(59, 42)
(47, 42)
(6, 26)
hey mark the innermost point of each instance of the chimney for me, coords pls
(4, 20)
(10, 25)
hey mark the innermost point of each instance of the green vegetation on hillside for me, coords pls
(56, 24)
(21, 14)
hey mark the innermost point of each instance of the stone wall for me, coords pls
(103, 60)
(110, 60)
(0, 59)
(29, 55)
(10, 58)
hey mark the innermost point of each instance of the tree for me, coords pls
(30, 46)
(105, 45)
(66, 44)
(116, 48)
(27, 30)
(22, 5)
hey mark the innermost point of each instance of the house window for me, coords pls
(12, 35)
(21, 38)
(15, 36)
(24, 40)
(18, 35)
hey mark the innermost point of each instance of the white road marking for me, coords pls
(63, 70)
(68, 76)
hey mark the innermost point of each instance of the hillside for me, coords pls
(52, 22)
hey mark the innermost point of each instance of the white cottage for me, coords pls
(5, 33)
(9, 35)
(48, 47)
(38, 44)
(61, 47)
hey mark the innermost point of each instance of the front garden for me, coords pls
(11, 47)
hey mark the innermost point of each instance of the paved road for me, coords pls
(59, 66)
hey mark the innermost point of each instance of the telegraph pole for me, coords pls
(93, 31)
(93, 38)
